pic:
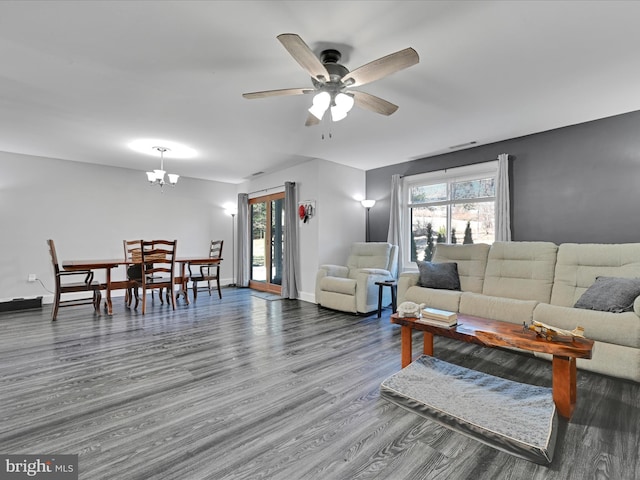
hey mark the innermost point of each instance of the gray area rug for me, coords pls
(516, 418)
(267, 296)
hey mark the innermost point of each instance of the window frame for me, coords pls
(448, 176)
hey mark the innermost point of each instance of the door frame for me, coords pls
(265, 286)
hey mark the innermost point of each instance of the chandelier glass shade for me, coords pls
(156, 177)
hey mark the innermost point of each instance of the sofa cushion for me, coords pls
(471, 260)
(615, 328)
(439, 275)
(520, 270)
(346, 286)
(578, 266)
(369, 255)
(442, 299)
(497, 308)
(610, 294)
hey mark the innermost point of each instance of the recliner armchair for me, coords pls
(352, 288)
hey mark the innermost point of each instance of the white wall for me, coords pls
(339, 220)
(343, 218)
(89, 209)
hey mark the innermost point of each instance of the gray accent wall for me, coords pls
(573, 184)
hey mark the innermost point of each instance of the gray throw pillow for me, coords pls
(610, 294)
(439, 275)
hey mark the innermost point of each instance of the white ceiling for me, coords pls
(79, 80)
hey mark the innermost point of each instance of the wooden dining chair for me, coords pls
(208, 273)
(133, 248)
(158, 268)
(87, 285)
(133, 253)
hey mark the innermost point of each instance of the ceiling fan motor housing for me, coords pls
(330, 59)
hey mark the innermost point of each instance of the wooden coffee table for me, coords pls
(493, 333)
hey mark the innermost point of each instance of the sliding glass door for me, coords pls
(267, 238)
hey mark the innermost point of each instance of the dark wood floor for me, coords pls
(246, 388)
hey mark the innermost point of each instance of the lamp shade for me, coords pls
(320, 104)
(367, 203)
(173, 178)
(343, 104)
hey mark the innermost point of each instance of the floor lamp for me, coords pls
(232, 211)
(368, 204)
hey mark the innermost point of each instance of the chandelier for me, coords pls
(157, 176)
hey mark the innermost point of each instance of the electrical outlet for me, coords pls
(32, 277)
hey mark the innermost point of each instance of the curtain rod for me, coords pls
(449, 168)
(268, 188)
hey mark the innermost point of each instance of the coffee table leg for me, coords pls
(564, 385)
(427, 349)
(405, 345)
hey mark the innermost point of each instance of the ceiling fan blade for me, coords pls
(301, 52)
(278, 93)
(373, 103)
(311, 120)
(381, 67)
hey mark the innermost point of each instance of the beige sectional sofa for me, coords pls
(523, 281)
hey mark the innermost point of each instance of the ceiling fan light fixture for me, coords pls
(320, 105)
(337, 114)
(343, 103)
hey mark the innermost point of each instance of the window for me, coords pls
(450, 206)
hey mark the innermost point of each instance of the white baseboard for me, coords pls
(307, 297)
(48, 299)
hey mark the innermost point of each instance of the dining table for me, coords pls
(108, 264)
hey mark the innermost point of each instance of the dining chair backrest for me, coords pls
(158, 257)
(215, 250)
(54, 257)
(132, 250)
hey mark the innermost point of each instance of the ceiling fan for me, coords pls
(332, 82)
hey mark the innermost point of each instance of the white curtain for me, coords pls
(290, 260)
(503, 211)
(395, 235)
(244, 235)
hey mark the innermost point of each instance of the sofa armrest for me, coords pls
(329, 271)
(375, 271)
(406, 280)
(333, 271)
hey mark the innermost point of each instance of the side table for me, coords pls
(394, 287)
